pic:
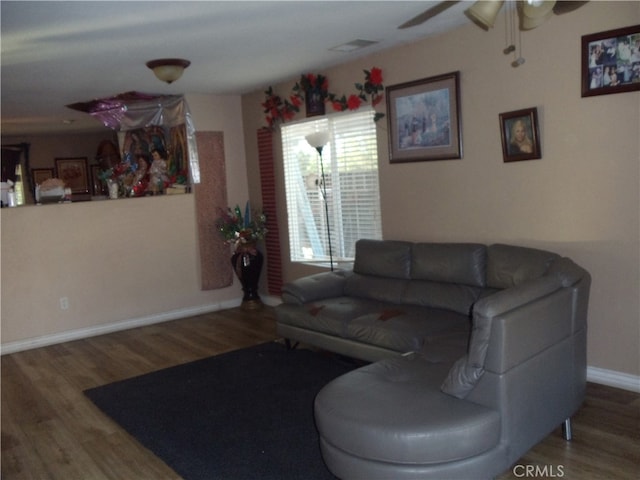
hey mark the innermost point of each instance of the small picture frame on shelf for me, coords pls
(520, 136)
(74, 173)
(39, 175)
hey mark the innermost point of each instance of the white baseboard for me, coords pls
(46, 340)
(78, 334)
(596, 375)
(612, 378)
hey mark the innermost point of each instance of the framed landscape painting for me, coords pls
(424, 119)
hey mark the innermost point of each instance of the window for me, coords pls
(350, 161)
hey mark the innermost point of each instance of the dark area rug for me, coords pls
(246, 414)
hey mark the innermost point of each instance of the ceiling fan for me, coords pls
(532, 13)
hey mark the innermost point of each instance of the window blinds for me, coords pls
(350, 163)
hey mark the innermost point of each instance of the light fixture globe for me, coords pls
(168, 69)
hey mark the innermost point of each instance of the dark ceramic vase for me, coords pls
(247, 263)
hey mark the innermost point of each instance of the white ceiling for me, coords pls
(56, 53)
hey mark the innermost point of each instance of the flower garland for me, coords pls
(279, 110)
(372, 86)
(309, 81)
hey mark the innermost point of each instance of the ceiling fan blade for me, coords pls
(566, 6)
(429, 13)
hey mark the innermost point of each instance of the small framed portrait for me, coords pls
(611, 61)
(520, 136)
(424, 119)
(39, 175)
(74, 172)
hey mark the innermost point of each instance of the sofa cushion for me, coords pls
(383, 258)
(330, 315)
(463, 263)
(406, 328)
(392, 411)
(456, 297)
(508, 265)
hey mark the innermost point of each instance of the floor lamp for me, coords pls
(318, 140)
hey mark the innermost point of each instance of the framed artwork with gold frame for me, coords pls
(39, 175)
(74, 172)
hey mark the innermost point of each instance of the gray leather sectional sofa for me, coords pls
(479, 352)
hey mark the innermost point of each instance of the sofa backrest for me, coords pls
(462, 263)
(508, 265)
(383, 258)
(441, 275)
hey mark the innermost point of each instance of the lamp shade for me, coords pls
(317, 139)
(168, 69)
(484, 12)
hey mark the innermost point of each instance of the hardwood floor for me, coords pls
(50, 430)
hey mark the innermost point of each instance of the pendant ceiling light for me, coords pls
(168, 69)
(484, 13)
(533, 14)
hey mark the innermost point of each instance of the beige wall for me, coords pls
(124, 261)
(581, 199)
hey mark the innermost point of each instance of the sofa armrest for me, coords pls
(528, 312)
(315, 287)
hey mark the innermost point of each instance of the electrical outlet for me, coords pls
(64, 303)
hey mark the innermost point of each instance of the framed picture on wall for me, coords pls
(424, 119)
(611, 61)
(520, 137)
(39, 175)
(74, 173)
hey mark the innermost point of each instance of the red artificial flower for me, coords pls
(353, 102)
(312, 79)
(337, 106)
(376, 99)
(375, 76)
(325, 84)
(295, 100)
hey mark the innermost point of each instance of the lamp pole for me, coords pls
(318, 140)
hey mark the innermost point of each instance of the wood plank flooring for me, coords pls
(50, 430)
